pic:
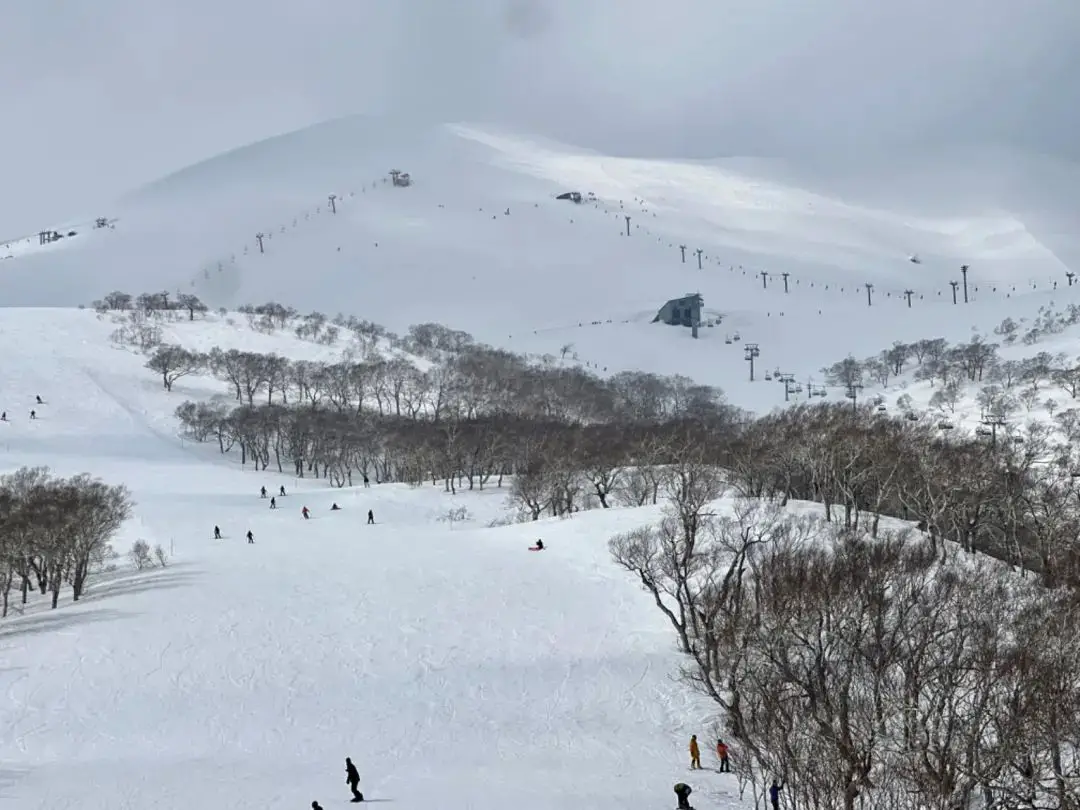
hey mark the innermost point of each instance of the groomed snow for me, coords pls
(456, 668)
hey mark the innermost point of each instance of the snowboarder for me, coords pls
(352, 779)
(683, 791)
(538, 547)
(722, 752)
(695, 753)
(262, 492)
(335, 508)
(3, 416)
(39, 402)
(282, 492)
(273, 503)
(370, 517)
(250, 536)
(33, 414)
(305, 513)
(774, 794)
(217, 532)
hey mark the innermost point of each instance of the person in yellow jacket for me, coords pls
(695, 752)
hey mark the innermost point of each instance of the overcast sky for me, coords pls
(98, 97)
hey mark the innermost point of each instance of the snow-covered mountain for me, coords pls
(551, 273)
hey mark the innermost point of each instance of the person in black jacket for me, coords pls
(352, 779)
(683, 791)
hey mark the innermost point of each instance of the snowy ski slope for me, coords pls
(456, 668)
(552, 273)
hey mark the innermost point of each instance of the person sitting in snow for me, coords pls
(305, 513)
(538, 547)
(683, 791)
(335, 508)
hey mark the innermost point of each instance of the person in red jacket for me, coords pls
(305, 513)
(722, 752)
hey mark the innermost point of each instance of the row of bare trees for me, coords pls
(864, 671)
(55, 532)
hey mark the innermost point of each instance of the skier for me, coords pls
(774, 794)
(304, 512)
(683, 791)
(538, 547)
(273, 503)
(262, 492)
(722, 752)
(282, 492)
(370, 517)
(33, 414)
(250, 536)
(3, 416)
(695, 753)
(335, 508)
(217, 532)
(39, 402)
(316, 806)
(352, 779)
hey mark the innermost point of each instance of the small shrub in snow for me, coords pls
(161, 555)
(140, 555)
(456, 515)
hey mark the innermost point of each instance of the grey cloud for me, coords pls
(97, 98)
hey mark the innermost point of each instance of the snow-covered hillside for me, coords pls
(479, 243)
(455, 668)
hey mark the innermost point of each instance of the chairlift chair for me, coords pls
(736, 337)
(768, 376)
(911, 416)
(727, 339)
(881, 408)
(983, 431)
(945, 425)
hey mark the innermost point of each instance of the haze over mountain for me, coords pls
(98, 100)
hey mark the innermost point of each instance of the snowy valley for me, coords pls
(746, 535)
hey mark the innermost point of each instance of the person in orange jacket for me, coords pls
(722, 752)
(695, 752)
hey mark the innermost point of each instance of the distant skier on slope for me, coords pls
(695, 753)
(335, 508)
(33, 414)
(282, 491)
(250, 536)
(370, 517)
(305, 513)
(683, 791)
(217, 532)
(262, 492)
(774, 794)
(273, 503)
(352, 779)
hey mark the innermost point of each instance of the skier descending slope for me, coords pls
(352, 779)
